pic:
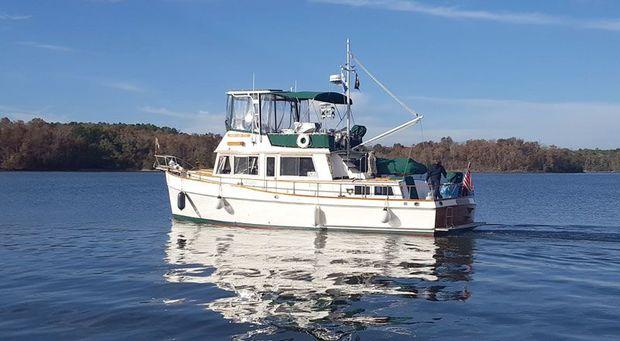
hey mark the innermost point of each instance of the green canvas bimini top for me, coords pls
(329, 97)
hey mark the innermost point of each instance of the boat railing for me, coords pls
(171, 163)
(318, 189)
(308, 188)
(337, 189)
(447, 191)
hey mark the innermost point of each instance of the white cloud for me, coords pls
(46, 46)
(459, 13)
(567, 124)
(124, 86)
(7, 17)
(200, 121)
(165, 112)
(27, 114)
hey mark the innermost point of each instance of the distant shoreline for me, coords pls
(80, 170)
(156, 171)
(103, 147)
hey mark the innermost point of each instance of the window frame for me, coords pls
(297, 167)
(232, 114)
(361, 190)
(267, 159)
(218, 169)
(383, 190)
(247, 169)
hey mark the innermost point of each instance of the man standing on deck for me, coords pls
(433, 177)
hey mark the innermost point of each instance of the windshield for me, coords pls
(242, 113)
(278, 113)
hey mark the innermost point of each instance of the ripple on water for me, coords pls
(110, 265)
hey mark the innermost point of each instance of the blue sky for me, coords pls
(540, 70)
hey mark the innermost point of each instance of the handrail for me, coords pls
(450, 191)
(171, 163)
(367, 182)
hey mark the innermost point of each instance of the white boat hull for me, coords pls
(235, 204)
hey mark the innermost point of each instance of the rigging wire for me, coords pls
(361, 65)
(422, 135)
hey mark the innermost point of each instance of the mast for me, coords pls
(347, 68)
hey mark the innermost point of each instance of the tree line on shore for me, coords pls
(506, 155)
(39, 145)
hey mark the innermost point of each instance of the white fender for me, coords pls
(318, 216)
(303, 140)
(220, 203)
(386, 216)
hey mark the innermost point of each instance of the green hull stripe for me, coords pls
(359, 229)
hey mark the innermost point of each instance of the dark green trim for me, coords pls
(197, 220)
(335, 228)
(227, 223)
(328, 97)
(290, 140)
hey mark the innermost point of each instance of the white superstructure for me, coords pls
(286, 162)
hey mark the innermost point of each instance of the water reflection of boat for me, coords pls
(299, 277)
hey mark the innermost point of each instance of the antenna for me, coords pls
(347, 68)
(253, 80)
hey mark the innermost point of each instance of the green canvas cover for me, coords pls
(454, 177)
(290, 140)
(399, 166)
(329, 97)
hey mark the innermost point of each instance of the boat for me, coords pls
(293, 159)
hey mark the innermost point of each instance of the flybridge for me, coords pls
(290, 113)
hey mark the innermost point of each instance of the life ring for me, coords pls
(303, 140)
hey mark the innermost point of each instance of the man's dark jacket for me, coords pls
(435, 172)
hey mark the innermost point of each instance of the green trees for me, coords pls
(38, 145)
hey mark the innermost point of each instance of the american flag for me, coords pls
(468, 184)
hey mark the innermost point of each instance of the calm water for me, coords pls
(96, 255)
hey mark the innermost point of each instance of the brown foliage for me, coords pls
(506, 155)
(38, 145)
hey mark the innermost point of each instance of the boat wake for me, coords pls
(563, 232)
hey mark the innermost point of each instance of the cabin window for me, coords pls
(362, 190)
(271, 166)
(383, 190)
(306, 166)
(246, 165)
(223, 165)
(297, 166)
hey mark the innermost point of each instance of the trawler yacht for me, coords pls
(292, 159)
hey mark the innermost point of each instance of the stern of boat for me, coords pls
(457, 216)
